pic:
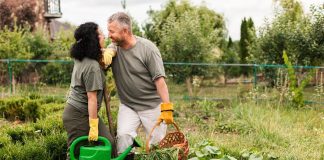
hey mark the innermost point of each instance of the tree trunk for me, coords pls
(225, 79)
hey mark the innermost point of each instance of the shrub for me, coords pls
(32, 110)
(296, 90)
(33, 95)
(56, 73)
(53, 99)
(34, 149)
(56, 145)
(4, 140)
(11, 108)
(51, 124)
(17, 134)
(52, 107)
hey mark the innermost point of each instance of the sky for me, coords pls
(98, 11)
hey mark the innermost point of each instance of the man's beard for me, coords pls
(119, 42)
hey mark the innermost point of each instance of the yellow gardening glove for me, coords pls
(108, 54)
(166, 113)
(93, 132)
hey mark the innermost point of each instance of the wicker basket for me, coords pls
(172, 139)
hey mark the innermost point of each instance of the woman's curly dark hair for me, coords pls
(87, 42)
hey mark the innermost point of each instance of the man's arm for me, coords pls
(162, 89)
(166, 106)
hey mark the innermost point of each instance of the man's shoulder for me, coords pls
(147, 43)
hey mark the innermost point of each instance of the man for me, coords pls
(140, 79)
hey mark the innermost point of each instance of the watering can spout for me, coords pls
(125, 153)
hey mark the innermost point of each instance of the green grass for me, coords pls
(281, 131)
(236, 127)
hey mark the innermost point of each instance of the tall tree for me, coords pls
(246, 41)
(187, 34)
(293, 31)
(230, 56)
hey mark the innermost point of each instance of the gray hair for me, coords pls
(123, 19)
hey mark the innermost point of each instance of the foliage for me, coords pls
(159, 154)
(205, 150)
(46, 148)
(29, 108)
(248, 37)
(14, 43)
(135, 28)
(4, 139)
(186, 33)
(293, 31)
(18, 134)
(251, 128)
(20, 43)
(56, 145)
(44, 139)
(230, 56)
(39, 44)
(11, 108)
(56, 73)
(19, 13)
(32, 110)
(295, 89)
(49, 125)
(182, 41)
(211, 24)
(62, 43)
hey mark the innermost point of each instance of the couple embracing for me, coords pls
(140, 80)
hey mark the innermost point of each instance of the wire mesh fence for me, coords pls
(208, 81)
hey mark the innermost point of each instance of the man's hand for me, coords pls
(93, 132)
(166, 113)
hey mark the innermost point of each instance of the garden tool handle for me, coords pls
(107, 99)
(108, 110)
(84, 138)
(147, 146)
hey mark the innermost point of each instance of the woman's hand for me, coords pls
(108, 54)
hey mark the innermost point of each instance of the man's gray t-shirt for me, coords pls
(86, 76)
(135, 70)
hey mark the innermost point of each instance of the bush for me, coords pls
(33, 95)
(23, 143)
(53, 99)
(56, 145)
(53, 107)
(32, 110)
(56, 73)
(52, 124)
(11, 108)
(35, 149)
(17, 134)
(4, 140)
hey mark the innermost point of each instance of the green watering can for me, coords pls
(98, 152)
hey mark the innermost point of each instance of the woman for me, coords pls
(80, 115)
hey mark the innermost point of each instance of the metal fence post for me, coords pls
(255, 74)
(10, 75)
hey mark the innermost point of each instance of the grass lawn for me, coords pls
(237, 127)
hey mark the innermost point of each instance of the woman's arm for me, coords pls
(92, 104)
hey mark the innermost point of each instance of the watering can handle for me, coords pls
(83, 138)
